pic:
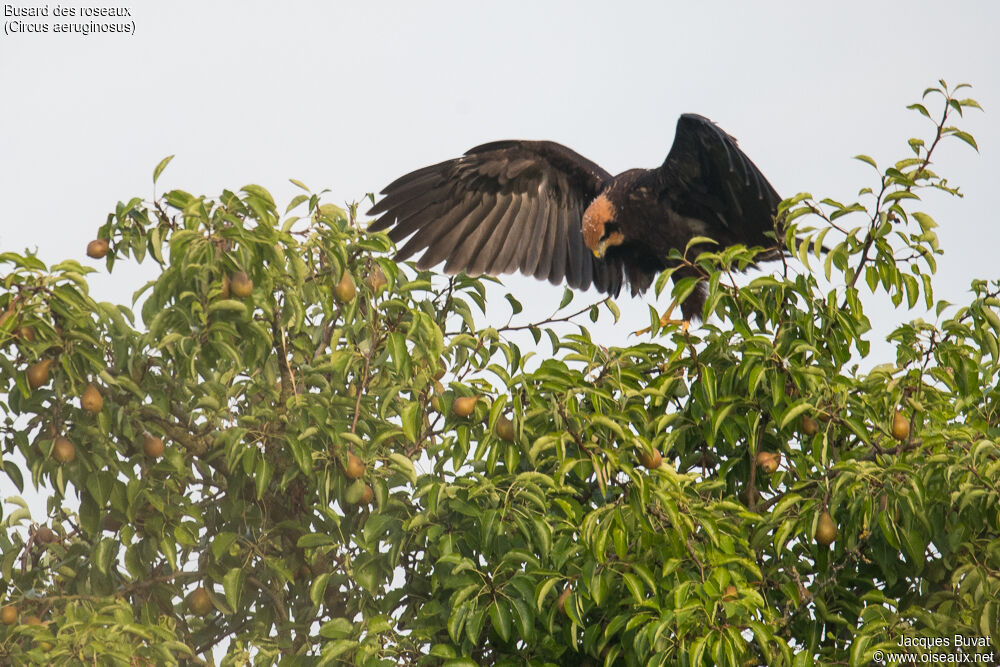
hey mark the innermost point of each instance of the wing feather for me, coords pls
(539, 225)
(514, 222)
(474, 249)
(503, 206)
(489, 238)
(708, 177)
(552, 265)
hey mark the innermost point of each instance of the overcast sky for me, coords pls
(347, 96)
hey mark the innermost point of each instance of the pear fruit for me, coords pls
(436, 396)
(45, 535)
(900, 426)
(826, 530)
(731, 593)
(110, 524)
(345, 290)
(651, 460)
(27, 333)
(505, 428)
(91, 399)
(152, 446)
(225, 288)
(368, 495)
(240, 285)
(561, 602)
(768, 461)
(376, 279)
(38, 373)
(809, 426)
(355, 468)
(9, 614)
(63, 450)
(199, 602)
(98, 248)
(464, 405)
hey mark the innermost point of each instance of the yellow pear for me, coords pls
(97, 248)
(809, 426)
(38, 373)
(768, 461)
(152, 446)
(199, 602)
(9, 614)
(355, 468)
(240, 285)
(63, 450)
(345, 290)
(45, 535)
(505, 428)
(900, 426)
(561, 602)
(826, 530)
(376, 279)
(91, 399)
(464, 405)
(650, 460)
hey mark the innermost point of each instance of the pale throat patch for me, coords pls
(599, 213)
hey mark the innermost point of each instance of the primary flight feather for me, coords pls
(542, 209)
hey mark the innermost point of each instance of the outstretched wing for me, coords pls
(708, 177)
(503, 207)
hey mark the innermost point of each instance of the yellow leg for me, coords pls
(665, 320)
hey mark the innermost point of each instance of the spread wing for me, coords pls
(708, 177)
(503, 207)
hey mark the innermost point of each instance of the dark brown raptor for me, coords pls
(542, 209)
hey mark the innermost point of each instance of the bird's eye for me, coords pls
(609, 229)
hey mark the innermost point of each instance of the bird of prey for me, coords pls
(540, 208)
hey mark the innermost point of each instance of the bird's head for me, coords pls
(600, 227)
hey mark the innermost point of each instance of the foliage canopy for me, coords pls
(527, 531)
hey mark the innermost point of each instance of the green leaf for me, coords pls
(456, 620)
(160, 167)
(337, 628)
(500, 618)
(966, 137)
(221, 543)
(566, 298)
(410, 418)
(228, 305)
(315, 540)
(318, 589)
(634, 585)
(103, 554)
(404, 466)
(232, 584)
(793, 412)
(542, 592)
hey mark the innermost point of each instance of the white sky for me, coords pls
(348, 96)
